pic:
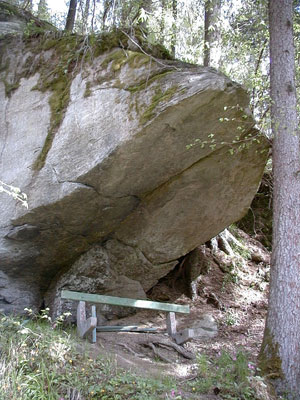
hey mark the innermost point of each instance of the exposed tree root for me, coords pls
(132, 351)
(167, 344)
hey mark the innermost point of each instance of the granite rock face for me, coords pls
(150, 159)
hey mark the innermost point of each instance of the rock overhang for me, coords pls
(151, 155)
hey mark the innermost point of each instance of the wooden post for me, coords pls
(84, 326)
(94, 333)
(171, 324)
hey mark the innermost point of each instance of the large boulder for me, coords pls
(126, 159)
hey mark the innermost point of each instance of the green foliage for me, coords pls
(231, 276)
(228, 375)
(40, 360)
(237, 117)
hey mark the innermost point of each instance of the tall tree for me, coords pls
(85, 16)
(211, 31)
(42, 9)
(280, 352)
(71, 16)
(174, 28)
(27, 5)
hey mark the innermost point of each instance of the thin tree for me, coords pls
(71, 16)
(211, 31)
(85, 16)
(27, 5)
(107, 7)
(174, 28)
(42, 9)
(163, 5)
(280, 353)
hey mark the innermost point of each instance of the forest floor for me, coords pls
(236, 299)
(225, 283)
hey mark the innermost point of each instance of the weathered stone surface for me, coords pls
(13, 20)
(118, 184)
(10, 22)
(94, 272)
(205, 328)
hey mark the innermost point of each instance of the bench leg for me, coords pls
(94, 332)
(84, 326)
(171, 324)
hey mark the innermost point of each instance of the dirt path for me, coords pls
(237, 301)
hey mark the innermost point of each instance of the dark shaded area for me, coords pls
(258, 221)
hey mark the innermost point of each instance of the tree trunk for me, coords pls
(162, 20)
(28, 5)
(174, 28)
(86, 16)
(107, 7)
(211, 32)
(280, 352)
(71, 16)
(42, 9)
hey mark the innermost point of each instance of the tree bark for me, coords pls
(174, 28)
(42, 9)
(86, 16)
(211, 32)
(280, 352)
(71, 16)
(28, 5)
(162, 20)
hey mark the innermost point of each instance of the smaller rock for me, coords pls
(215, 301)
(184, 335)
(260, 257)
(205, 328)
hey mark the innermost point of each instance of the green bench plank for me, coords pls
(120, 301)
(114, 328)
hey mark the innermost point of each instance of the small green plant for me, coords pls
(231, 318)
(41, 360)
(228, 375)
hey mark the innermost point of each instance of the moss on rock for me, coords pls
(158, 97)
(69, 52)
(10, 87)
(147, 82)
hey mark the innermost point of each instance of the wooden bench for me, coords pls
(86, 326)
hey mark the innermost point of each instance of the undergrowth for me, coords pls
(41, 360)
(229, 376)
